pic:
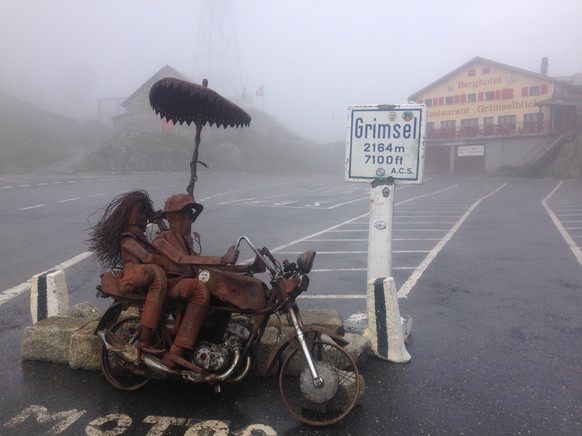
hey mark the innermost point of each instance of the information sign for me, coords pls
(471, 150)
(386, 141)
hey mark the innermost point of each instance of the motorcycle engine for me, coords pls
(218, 357)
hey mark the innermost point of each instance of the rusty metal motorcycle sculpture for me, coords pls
(318, 380)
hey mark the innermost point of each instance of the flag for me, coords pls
(260, 91)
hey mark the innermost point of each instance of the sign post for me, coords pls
(385, 146)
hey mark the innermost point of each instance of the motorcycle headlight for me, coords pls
(305, 261)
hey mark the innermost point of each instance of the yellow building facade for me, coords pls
(485, 100)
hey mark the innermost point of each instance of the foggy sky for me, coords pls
(314, 58)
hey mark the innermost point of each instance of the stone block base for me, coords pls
(50, 339)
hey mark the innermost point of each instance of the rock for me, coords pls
(49, 339)
(359, 345)
(269, 340)
(327, 318)
(356, 323)
(85, 310)
(85, 348)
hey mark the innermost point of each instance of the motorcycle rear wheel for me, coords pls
(330, 403)
(117, 371)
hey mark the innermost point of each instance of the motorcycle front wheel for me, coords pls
(117, 371)
(331, 401)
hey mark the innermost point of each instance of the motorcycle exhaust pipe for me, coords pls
(230, 370)
(126, 351)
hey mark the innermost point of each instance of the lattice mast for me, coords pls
(217, 57)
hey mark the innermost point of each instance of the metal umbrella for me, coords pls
(181, 102)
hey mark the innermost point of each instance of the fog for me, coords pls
(312, 58)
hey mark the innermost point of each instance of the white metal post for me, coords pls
(380, 229)
(384, 321)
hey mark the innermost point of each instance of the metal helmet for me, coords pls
(178, 202)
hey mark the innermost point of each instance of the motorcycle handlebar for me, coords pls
(263, 253)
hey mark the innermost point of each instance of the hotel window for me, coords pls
(488, 126)
(490, 95)
(428, 102)
(430, 126)
(449, 100)
(448, 128)
(506, 124)
(471, 98)
(470, 122)
(486, 70)
(531, 122)
(471, 73)
(470, 126)
(535, 90)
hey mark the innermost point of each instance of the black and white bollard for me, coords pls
(48, 295)
(386, 328)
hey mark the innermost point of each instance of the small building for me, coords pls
(139, 115)
(486, 115)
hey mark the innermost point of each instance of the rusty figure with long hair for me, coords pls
(119, 239)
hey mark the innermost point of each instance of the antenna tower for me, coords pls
(217, 58)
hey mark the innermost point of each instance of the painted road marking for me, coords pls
(68, 199)
(9, 294)
(419, 271)
(352, 252)
(569, 241)
(118, 423)
(32, 207)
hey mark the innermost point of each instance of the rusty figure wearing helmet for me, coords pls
(119, 239)
(178, 260)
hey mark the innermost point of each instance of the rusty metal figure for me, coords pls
(178, 260)
(119, 239)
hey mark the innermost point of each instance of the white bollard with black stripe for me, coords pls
(48, 295)
(386, 329)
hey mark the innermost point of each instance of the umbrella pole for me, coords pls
(194, 162)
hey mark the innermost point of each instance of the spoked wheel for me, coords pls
(325, 404)
(117, 371)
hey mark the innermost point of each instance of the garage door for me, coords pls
(470, 159)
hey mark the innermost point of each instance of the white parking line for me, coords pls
(419, 271)
(32, 207)
(352, 252)
(68, 199)
(333, 296)
(569, 241)
(9, 294)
